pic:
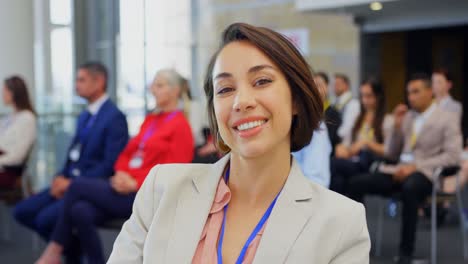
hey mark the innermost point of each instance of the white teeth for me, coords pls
(250, 125)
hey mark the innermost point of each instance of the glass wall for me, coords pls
(154, 34)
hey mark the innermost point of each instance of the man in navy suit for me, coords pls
(101, 135)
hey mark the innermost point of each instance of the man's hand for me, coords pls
(357, 146)
(403, 171)
(123, 183)
(341, 152)
(59, 186)
(399, 113)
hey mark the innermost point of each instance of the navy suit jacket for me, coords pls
(107, 138)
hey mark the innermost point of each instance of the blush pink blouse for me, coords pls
(207, 246)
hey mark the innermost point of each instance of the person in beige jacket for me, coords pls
(422, 140)
(254, 205)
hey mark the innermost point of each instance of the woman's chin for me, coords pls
(251, 152)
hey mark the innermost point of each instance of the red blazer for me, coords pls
(171, 141)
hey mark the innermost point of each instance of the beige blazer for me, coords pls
(438, 144)
(309, 224)
(453, 106)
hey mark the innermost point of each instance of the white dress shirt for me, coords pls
(349, 112)
(314, 159)
(94, 107)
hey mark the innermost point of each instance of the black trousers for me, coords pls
(342, 170)
(414, 190)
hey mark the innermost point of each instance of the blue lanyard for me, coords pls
(152, 129)
(252, 235)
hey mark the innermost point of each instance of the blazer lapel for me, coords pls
(433, 118)
(287, 219)
(192, 210)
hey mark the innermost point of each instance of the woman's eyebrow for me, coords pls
(258, 68)
(222, 75)
(253, 69)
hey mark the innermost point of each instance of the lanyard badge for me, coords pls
(137, 160)
(75, 152)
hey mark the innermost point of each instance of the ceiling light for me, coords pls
(376, 6)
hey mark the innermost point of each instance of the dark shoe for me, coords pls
(402, 260)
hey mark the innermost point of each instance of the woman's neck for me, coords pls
(441, 97)
(369, 116)
(170, 107)
(256, 181)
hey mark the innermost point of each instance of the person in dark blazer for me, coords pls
(101, 134)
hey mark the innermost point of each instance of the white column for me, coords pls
(17, 41)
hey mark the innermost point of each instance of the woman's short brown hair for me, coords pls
(306, 96)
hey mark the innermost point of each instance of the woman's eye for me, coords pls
(262, 82)
(224, 90)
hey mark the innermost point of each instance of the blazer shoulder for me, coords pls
(111, 108)
(111, 112)
(444, 118)
(27, 115)
(177, 175)
(339, 207)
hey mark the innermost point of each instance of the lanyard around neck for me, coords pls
(254, 233)
(152, 129)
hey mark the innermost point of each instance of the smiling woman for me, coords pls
(254, 205)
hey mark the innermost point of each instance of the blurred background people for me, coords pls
(164, 137)
(365, 142)
(346, 105)
(17, 131)
(101, 134)
(441, 85)
(314, 159)
(422, 140)
(205, 149)
(332, 116)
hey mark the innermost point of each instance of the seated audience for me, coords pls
(441, 85)
(422, 139)
(205, 149)
(347, 106)
(101, 134)
(449, 184)
(365, 142)
(331, 114)
(208, 152)
(164, 137)
(17, 131)
(263, 104)
(314, 159)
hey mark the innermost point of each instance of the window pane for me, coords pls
(62, 68)
(60, 12)
(131, 84)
